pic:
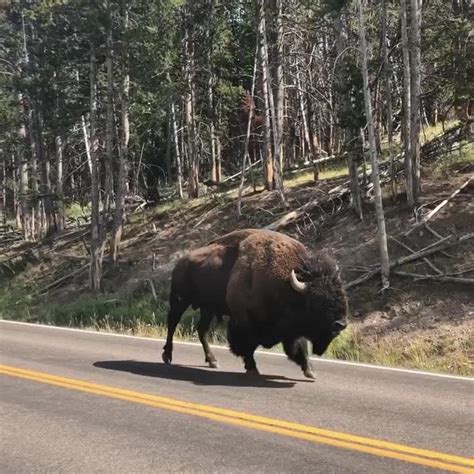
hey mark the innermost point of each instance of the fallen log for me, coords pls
(425, 259)
(438, 208)
(64, 278)
(442, 244)
(444, 278)
(332, 195)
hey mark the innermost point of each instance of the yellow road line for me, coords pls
(309, 433)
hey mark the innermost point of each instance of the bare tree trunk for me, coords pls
(61, 216)
(169, 135)
(189, 113)
(415, 89)
(125, 136)
(247, 136)
(267, 144)
(307, 135)
(385, 262)
(406, 126)
(274, 131)
(280, 83)
(352, 142)
(49, 223)
(213, 147)
(96, 248)
(3, 188)
(109, 125)
(388, 97)
(25, 210)
(179, 170)
(86, 143)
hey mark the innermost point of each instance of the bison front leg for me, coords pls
(203, 331)
(297, 351)
(242, 343)
(177, 307)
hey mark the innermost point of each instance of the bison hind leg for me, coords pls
(177, 307)
(203, 331)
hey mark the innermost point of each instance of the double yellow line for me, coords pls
(372, 446)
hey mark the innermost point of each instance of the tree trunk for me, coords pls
(385, 262)
(275, 131)
(415, 89)
(124, 139)
(267, 144)
(406, 126)
(25, 207)
(179, 168)
(279, 80)
(247, 136)
(86, 143)
(352, 142)
(213, 147)
(109, 125)
(49, 221)
(189, 112)
(388, 97)
(61, 216)
(96, 248)
(169, 135)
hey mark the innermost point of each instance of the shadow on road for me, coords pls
(198, 376)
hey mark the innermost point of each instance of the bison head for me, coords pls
(325, 304)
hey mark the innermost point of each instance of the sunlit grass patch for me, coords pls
(444, 356)
(456, 160)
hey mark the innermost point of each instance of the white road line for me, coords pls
(277, 354)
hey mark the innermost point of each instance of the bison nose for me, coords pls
(340, 325)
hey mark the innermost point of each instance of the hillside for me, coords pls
(419, 322)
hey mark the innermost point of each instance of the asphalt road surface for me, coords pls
(85, 402)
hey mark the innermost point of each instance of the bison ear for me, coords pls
(303, 274)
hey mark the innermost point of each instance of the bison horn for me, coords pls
(299, 286)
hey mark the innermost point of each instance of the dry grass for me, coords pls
(307, 177)
(446, 355)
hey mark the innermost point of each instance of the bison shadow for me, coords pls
(196, 375)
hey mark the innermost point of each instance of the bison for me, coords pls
(273, 289)
(199, 280)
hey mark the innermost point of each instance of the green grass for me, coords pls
(457, 160)
(306, 177)
(432, 131)
(141, 315)
(138, 314)
(75, 210)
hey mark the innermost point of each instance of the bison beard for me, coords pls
(274, 290)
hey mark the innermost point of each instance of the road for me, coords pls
(85, 402)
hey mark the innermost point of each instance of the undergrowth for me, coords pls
(417, 353)
(144, 317)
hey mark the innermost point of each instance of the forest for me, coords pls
(118, 107)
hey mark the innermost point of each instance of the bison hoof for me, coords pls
(308, 373)
(166, 358)
(253, 372)
(213, 364)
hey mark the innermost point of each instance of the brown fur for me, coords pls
(246, 274)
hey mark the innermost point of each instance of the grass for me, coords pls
(433, 131)
(306, 177)
(139, 315)
(75, 210)
(451, 356)
(459, 159)
(142, 316)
